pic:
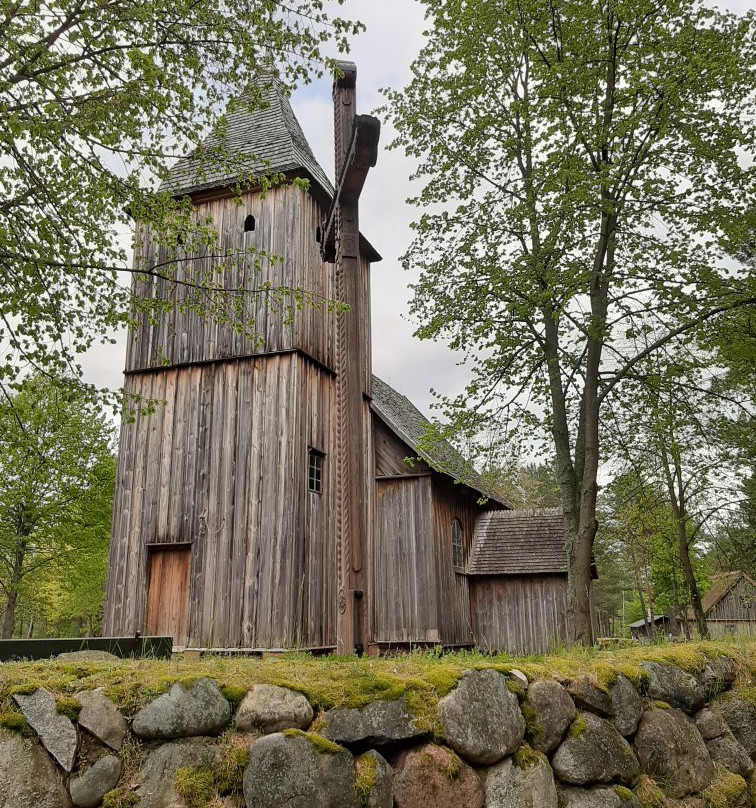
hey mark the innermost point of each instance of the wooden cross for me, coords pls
(356, 140)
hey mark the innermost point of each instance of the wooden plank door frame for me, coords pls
(153, 550)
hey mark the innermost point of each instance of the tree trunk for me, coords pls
(9, 613)
(677, 499)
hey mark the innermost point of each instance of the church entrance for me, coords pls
(168, 593)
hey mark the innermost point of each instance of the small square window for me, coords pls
(315, 471)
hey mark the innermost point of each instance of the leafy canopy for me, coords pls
(96, 98)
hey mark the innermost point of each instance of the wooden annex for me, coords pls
(268, 502)
(730, 605)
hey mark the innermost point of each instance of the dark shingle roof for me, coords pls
(519, 543)
(262, 141)
(403, 418)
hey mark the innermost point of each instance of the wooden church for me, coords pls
(268, 502)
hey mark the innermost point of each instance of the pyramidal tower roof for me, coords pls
(266, 140)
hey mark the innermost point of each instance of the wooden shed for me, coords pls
(518, 581)
(654, 628)
(730, 604)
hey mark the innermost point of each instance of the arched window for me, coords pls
(249, 224)
(458, 560)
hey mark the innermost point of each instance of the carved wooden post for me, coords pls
(356, 141)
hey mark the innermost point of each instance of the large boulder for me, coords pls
(549, 710)
(102, 718)
(185, 711)
(269, 709)
(481, 719)
(158, 774)
(433, 776)
(717, 676)
(740, 715)
(299, 771)
(55, 730)
(726, 751)
(88, 789)
(522, 784)
(594, 752)
(626, 705)
(675, 686)
(601, 797)
(672, 751)
(587, 695)
(379, 790)
(380, 723)
(28, 776)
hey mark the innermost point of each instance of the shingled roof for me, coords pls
(404, 419)
(519, 543)
(261, 141)
(721, 586)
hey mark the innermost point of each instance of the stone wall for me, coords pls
(665, 738)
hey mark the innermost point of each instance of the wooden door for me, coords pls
(168, 593)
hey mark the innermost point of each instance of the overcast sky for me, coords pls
(383, 55)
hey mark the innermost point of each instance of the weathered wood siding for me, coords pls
(404, 583)
(223, 465)
(736, 612)
(286, 220)
(390, 454)
(519, 614)
(450, 502)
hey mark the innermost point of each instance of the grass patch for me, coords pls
(421, 678)
(365, 769)
(525, 757)
(195, 786)
(15, 722)
(726, 790)
(233, 694)
(651, 796)
(234, 756)
(119, 798)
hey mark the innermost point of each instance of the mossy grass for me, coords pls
(14, 722)
(658, 705)
(525, 757)
(321, 744)
(421, 678)
(365, 777)
(649, 794)
(233, 758)
(726, 790)
(233, 694)
(68, 706)
(577, 727)
(624, 793)
(195, 785)
(119, 798)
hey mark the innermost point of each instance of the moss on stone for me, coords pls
(119, 798)
(624, 793)
(577, 727)
(525, 757)
(321, 744)
(658, 705)
(14, 722)
(516, 688)
(365, 777)
(726, 790)
(535, 729)
(68, 707)
(195, 786)
(233, 694)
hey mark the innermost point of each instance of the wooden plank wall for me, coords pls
(390, 454)
(519, 614)
(223, 465)
(286, 220)
(452, 502)
(405, 596)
